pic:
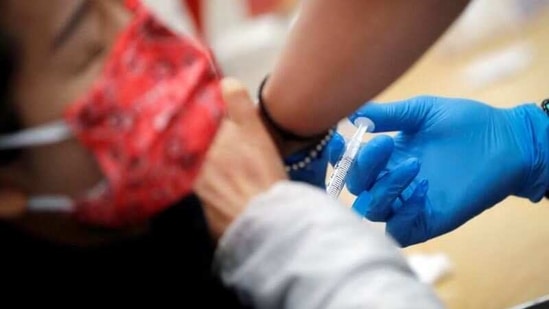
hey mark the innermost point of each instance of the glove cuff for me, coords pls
(537, 121)
(545, 108)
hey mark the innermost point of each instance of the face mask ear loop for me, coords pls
(52, 133)
(50, 204)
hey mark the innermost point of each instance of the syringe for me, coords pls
(341, 169)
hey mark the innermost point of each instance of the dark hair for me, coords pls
(9, 120)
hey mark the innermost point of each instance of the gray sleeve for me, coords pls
(294, 247)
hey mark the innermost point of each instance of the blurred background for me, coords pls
(498, 53)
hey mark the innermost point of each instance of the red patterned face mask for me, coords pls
(148, 120)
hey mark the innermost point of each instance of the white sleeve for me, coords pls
(294, 247)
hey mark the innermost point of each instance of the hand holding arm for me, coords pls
(242, 163)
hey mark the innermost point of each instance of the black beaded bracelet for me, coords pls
(314, 152)
(285, 134)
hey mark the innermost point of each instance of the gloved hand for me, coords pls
(473, 156)
(374, 191)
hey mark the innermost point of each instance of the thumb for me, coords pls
(371, 160)
(240, 106)
(408, 115)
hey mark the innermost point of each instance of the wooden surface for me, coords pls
(500, 258)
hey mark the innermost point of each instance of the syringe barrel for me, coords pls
(337, 181)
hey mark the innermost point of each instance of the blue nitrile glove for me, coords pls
(473, 156)
(376, 192)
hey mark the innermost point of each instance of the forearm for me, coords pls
(296, 248)
(341, 54)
